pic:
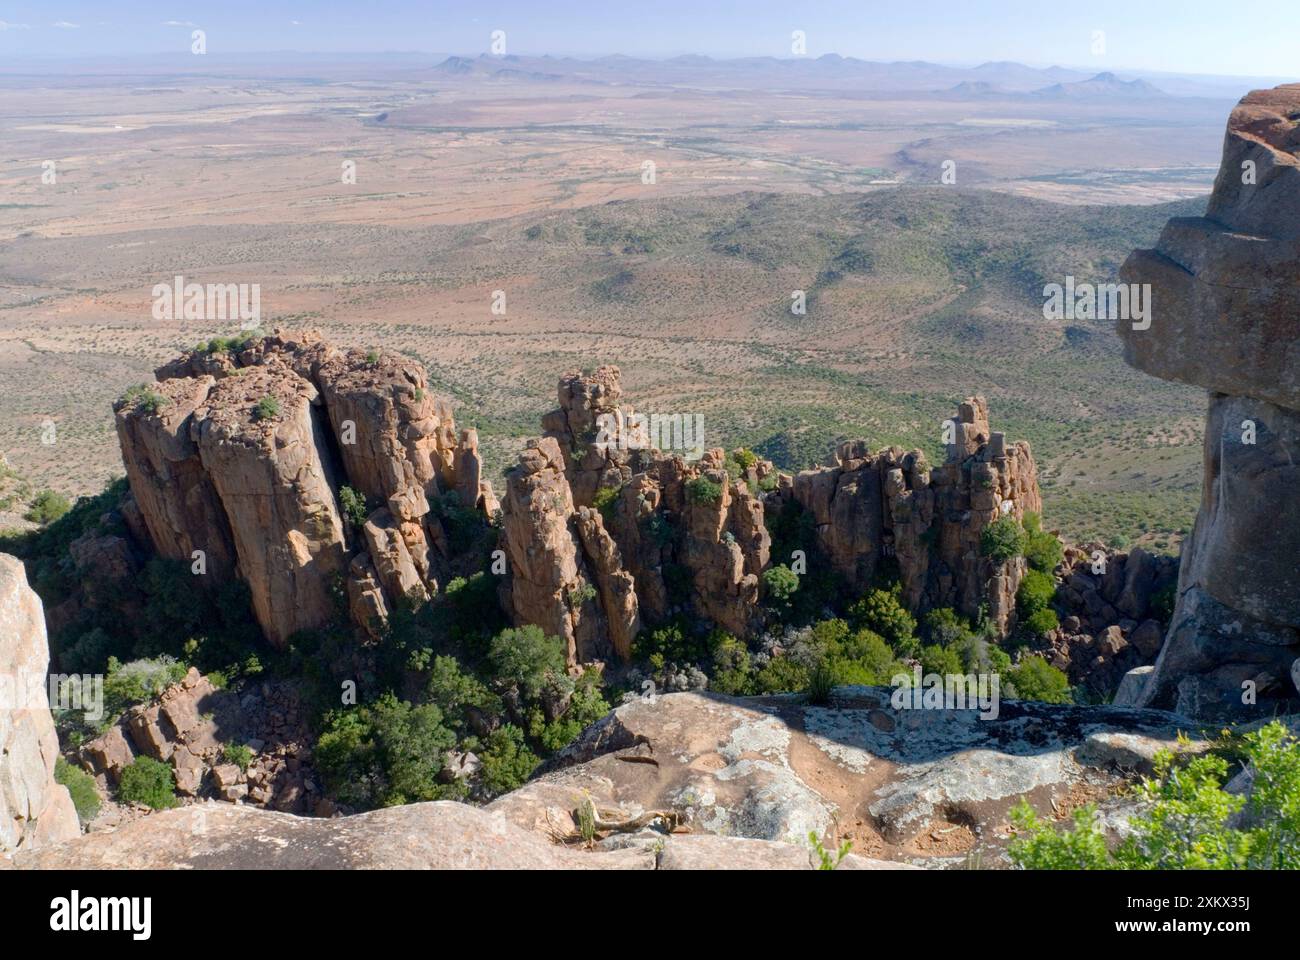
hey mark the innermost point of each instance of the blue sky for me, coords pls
(1261, 38)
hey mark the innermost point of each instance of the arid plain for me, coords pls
(533, 180)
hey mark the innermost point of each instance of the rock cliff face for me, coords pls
(1226, 317)
(34, 810)
(871, 506)
(673, 535)
(242, 454)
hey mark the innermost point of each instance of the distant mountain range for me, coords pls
(828, 72)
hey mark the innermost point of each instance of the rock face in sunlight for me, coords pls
(870, 506)
(1226, 317)
(241, 452)
(673, 535)
(34, 810)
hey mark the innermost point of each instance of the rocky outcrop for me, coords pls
(674, 536)
(440, 835)
(34, 810)
(927, 787)
(189, 727)
(550, 585)
(591, 430)
(892, 504)
(261, 442)
(1225, 298)
(397, 440)
(170, 486)
(242, 451)
(617, 587)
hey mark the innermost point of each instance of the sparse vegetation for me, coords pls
(268, 408)
(1188, 821)
(47, 507)
(81, 787)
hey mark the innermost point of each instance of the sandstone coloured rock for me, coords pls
(34, 810)
(1226, 317)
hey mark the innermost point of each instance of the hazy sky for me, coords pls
(1259, 38)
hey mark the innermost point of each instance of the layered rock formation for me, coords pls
(236, 461)
(34, 810)
(673, 535)
(871, 506)
(1226, 317)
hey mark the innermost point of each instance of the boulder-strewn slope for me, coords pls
(1226, 316)
(34, 810)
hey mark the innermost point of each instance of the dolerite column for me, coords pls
(1225, 316)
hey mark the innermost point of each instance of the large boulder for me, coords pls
(1226, 317)
(34, 810)
(929, 787)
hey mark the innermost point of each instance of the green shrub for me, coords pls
(821, 682)
(267, 408)
(575, 597)
(47, 507)
(1002, 539)
(1189, 822)
(703, 490)
(733, 670)
(127, 684)
(781, 675)
(147, 781)
(353, 505)
(604, 501)
(81, 787)
(458, 693)
(781, 583)
(144, 397)
(1041, 622)
(527, 658)
(944, 661)
(385, 755)
(674, 642)
(1033, 678)
(1036, 593)
(1043, 551)
(238, 754)
(882, 612)
(507, 761)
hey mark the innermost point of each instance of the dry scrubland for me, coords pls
(919, 294)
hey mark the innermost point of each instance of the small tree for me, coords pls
(148, 781)
(1003, 539)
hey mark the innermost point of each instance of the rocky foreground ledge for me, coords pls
(691, 781)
